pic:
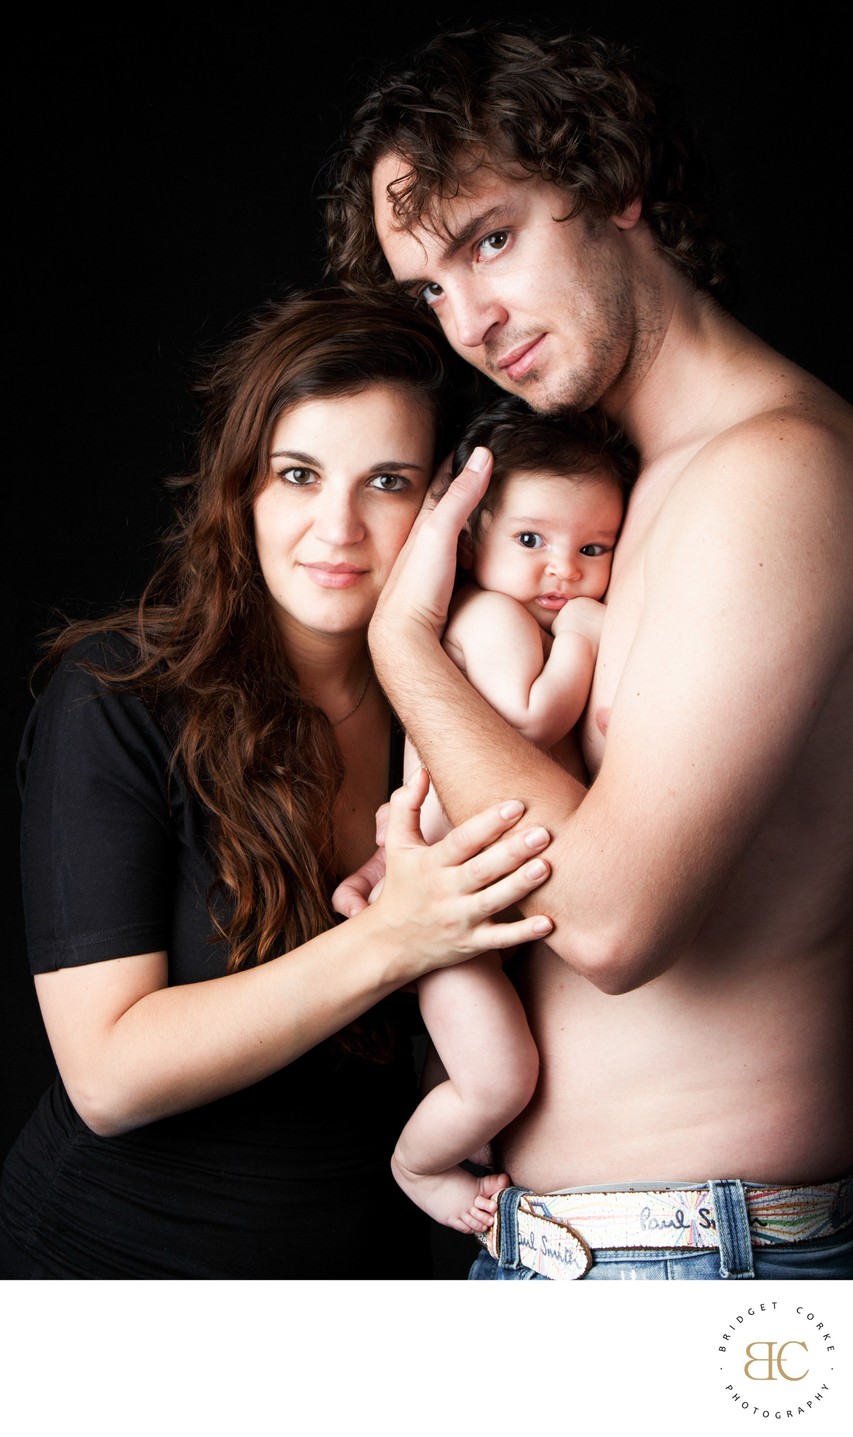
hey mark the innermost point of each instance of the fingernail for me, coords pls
(513, 809)
(536, 869)
(479, 459)
(537, 837)
(542, 925)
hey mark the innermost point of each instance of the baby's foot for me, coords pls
(455, 1198)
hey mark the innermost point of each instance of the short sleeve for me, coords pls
(97, 845)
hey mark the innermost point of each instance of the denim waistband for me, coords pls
(555, 1233)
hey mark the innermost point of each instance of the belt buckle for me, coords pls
(552, 1247)
(549, 1246)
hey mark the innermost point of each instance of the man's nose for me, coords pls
(475, 314)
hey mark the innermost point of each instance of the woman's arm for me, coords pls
(131, 1050)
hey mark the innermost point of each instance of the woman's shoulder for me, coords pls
(84, 705)
(107, 652)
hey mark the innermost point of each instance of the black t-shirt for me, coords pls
(289, 1178)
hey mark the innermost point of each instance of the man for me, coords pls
(692, 1007)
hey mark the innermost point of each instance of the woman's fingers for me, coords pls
(455, 888)
(354, 892)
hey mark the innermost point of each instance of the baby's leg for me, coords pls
(475, 1019)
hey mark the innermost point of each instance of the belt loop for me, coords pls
(508, 1201)
(732, 1221)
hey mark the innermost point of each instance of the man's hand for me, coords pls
(419, 588)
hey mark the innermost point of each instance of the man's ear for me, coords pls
(629, 217)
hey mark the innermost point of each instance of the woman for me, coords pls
(198, 775)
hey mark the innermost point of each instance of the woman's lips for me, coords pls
(334, 576)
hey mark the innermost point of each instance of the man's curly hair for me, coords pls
(572, 110)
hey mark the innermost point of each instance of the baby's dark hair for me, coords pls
(523, 442)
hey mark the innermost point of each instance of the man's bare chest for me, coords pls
(622, 617)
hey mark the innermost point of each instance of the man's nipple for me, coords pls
(602, 719)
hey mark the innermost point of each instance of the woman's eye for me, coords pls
(594, 551)
(530, 541)
(493, 243)
(431, 293)
(299, 477)
(389, 483)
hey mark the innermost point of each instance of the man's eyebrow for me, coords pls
(455, 240)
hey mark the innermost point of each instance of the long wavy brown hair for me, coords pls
(258, 755)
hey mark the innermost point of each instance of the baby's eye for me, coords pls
(299, 477)
(528, 540)
(389, 483)
(493, 243)
(594, 551)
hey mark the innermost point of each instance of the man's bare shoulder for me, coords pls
(793, 455)
(786, 412)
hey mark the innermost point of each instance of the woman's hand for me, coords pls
(445, 902)
(354, 892)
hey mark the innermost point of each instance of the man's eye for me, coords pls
(389, 483)
(431, 293)
(299, 477)
(530, 541)
(594, 551)
(493, 243)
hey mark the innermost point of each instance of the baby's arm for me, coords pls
(477, 1024)
(502, 651)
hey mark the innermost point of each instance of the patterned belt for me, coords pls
(556, 1231)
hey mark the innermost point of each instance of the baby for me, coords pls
(524, 628)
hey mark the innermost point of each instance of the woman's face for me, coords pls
(347, 477)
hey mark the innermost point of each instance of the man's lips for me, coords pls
(521, 359)
(334, 576)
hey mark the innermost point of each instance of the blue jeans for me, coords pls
(827, 1257)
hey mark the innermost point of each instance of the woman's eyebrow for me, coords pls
(310, 461)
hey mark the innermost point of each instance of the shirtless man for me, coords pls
(692, 1008)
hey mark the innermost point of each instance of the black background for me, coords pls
(164, 179)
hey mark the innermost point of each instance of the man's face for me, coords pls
(543, 305)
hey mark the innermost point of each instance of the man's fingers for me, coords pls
(467, 489)
(420, 584)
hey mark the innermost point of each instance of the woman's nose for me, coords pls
(338, 520)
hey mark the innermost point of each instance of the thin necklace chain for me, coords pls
(356, 705)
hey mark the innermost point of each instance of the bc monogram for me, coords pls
(773, 1360)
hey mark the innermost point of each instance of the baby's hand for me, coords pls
(580, 616)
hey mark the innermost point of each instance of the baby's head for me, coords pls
(545, 530)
